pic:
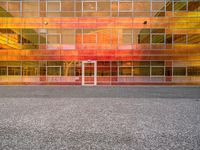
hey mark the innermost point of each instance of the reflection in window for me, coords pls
(3, 71)
(125, 71)
(193, 39)
(14, 6)
(53, 39)
(30, 71)
(53, 6)
(53, 71)
(180, 38)
(157, 71)
(179, 71)
(193, 71)
(14, 71)
(89, 6)
(141, 71)
(158, 38)
(193, 6)
(180, 6)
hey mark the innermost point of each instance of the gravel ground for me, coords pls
(119, 118)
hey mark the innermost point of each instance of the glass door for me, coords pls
(89, 73)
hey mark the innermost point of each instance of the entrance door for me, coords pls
(89, 73)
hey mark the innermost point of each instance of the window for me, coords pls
(193, 71)
(53, 71)
(193, 38)
(169, 39)
(125, 39)
(158, 6)
(158, 38)
(180, 6)
(157, 71)
(104, 6)
(30, 71)
(68, 39)
(157, 63)
(89, 6)
(14, 71)
(30, 9)
(125, 71)
(30, 68)
(13, 6)
(179, 38)
(141, 71)
(53, 6)
(3, 70)
(53, 39)
(142, 6)
(67, 6)
(144, 39)
(125, 6)
(179, 71)
(193, 6)
(89, 36)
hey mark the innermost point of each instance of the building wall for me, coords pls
(133, 41)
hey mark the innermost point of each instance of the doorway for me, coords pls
(89, 73)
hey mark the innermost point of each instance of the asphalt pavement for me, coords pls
(90, 118)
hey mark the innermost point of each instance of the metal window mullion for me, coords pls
(96, 6)
(186, 72)
(46, 8)
(82, 8)
(46, 69)
(60, 6)
(117, 70)
(110, 11)
(118, 8)
(7, 70)
(173, 8)
(20, 9)
(172, 40)
(151, 9)
(150, 70)
(82, 37)
(118, 34)
(6, 5)
(38, 8)
(74, 8)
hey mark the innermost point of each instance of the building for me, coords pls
(99, 42)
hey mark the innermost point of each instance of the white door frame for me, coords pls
(83, 73)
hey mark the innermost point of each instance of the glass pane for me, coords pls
(157, 38)
(13, 6)
(89, 69)
(125, 6)
(103, 6)
(14, 71)
(3, 71)
(30, 71)
(53, 6)
(89, 6)
(125, 71)
(179, 38)
(193, 71)
(53, 71)
(141, 71)
(157, 71)
(179, 71)
(180, 6)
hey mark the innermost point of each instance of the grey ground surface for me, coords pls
(120, 118)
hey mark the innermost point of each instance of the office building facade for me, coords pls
(100, 42)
